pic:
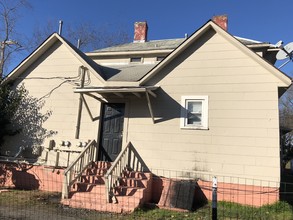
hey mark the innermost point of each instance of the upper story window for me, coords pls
(194, 112)
(135, 59)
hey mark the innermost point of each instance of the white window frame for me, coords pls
(204, 113)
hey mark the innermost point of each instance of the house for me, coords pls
(207, 103)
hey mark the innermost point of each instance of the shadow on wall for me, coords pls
(29, 120)
(16, 176)
(164, 107)
(24, 180)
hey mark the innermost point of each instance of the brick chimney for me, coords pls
(221, 20)
(140, 31)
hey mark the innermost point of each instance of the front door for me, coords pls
(111, 131)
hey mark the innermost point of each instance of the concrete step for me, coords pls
(90, 190)
(138, 175)
(106, 207)
(102, 164)
(128, 191)
(99, 195)
(96, 171)
(92, 179)
(129, 200)
(133, 182)
(90, 197)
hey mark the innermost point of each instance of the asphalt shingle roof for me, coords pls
(130, 73)
(167, 44)
(149, 45)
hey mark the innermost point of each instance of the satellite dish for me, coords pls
(285, 52)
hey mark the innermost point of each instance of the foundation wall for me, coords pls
(166, 189)
(31, 177)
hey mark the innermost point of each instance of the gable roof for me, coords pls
(51, 40)
(201, 31)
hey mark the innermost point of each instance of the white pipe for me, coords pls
(60, 27)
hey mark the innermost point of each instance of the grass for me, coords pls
(278, 210)
(226, 210)
(47, 203)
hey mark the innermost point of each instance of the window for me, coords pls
(194, 112)
(135, 59)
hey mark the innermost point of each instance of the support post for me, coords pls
(150, 106)
(80, 104)
(214, 199)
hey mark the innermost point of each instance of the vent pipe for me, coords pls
(60, 27)
(78, 43)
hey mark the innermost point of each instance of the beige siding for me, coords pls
(60, 99)
(243, 135)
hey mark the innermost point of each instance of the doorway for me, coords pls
(112, 121)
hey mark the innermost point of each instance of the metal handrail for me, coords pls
(127, 160)
(78, 166)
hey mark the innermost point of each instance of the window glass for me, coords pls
(135, 59)
(194, 112)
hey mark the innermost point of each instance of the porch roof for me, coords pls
(119, 91)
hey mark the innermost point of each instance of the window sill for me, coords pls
(194, 128)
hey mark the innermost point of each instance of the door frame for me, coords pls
(125, 123)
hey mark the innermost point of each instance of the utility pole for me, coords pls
(3, 45)
(214, 199)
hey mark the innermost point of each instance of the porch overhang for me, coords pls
(120, 92)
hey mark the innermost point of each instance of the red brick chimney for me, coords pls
(140, 31)
(221, 20)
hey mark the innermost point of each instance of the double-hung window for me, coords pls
(194, 112)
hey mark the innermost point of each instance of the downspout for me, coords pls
(80, 103)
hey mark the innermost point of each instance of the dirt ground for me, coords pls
(35, 213)
(34, 205)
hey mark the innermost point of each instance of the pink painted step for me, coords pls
(133, 182)
(102, 207)
(90, 191)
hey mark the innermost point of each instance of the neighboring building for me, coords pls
(206, 103)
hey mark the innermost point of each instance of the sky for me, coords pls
(262, 20)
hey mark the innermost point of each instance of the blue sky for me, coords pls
(263, 20)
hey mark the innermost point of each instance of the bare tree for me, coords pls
(286, 124)
(286, 109)
(91, 37)
(40, 33)
(10, 41)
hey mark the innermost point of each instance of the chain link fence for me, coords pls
(34, 192)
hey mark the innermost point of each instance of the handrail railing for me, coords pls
(78, 166)
(127, 160)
